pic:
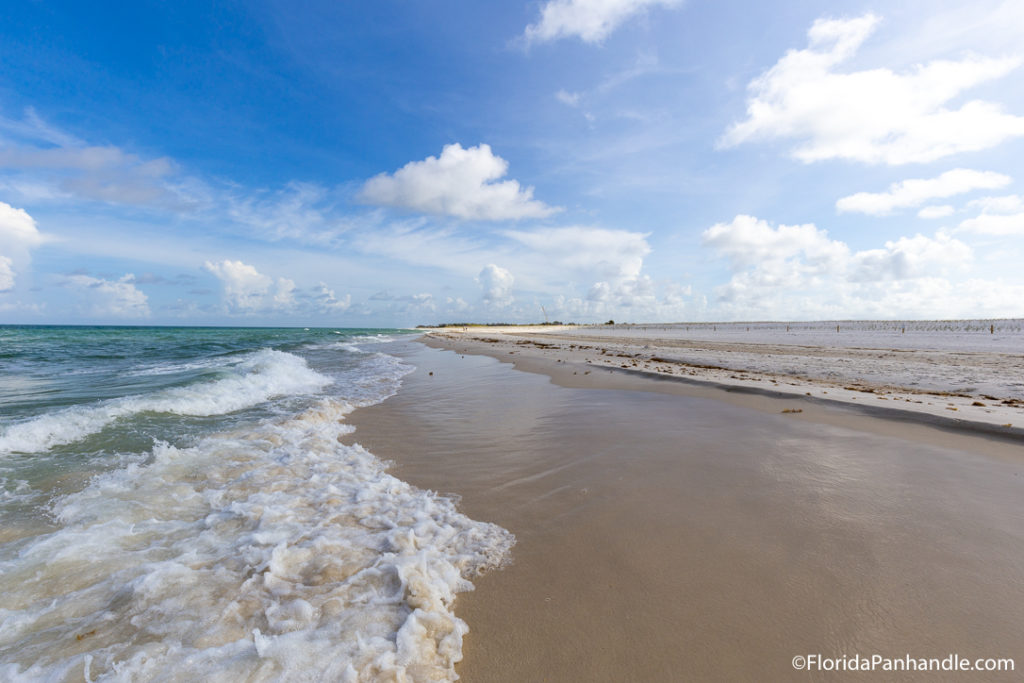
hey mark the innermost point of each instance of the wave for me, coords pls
(256, 378)
(273, 553)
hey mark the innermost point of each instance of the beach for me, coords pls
(680, 530)
(505, 504)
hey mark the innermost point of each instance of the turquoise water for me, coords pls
(77, 400)
(179, 499)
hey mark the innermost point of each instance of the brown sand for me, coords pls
(668, 532)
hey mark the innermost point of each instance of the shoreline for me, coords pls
(554, 350)
(657, 529)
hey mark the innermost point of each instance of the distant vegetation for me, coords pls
(442, 325)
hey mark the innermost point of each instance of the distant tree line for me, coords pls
(442, 325)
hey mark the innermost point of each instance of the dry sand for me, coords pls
(668, 531)
(977, 386)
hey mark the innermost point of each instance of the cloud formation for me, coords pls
(246, 290)
(111, 298)
(875, 115)
(915, 192)
(18, 236)
(939, 211)
(607, 254)
(496, 283)
(799, 272)
(6, 274)
(17, 228)
(38, 161)
(995, 224)
(589, 20)
(325, 300)
(608, 262)
(1000, 216)
(459, 183)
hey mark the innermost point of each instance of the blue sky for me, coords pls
(396, 163)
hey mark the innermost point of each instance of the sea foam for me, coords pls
(273, 553)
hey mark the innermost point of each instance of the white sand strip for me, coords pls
(977, 384)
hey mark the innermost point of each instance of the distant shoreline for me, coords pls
(963, 386)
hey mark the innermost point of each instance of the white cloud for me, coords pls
(908, 258)
(940, 211)
(116, 298)
(608, 261)
(748, 241)
(496, 283)
(589, 20)
(39, 163)
(800, 272)
(1000, 216)
(995, 224)
(874, 115)
(908, 193)
(1010, 203)
(6, 274)
(608, 254)
(329, 303)
(459, 183)
(299, 211)
(17, 228)
(424, 301)
(284, 296)
(18, 236)
(456, 304)
(634, 292)
(106, 174)
(246, 290)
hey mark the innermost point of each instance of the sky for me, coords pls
(397, 163)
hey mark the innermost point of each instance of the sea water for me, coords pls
(176, 504)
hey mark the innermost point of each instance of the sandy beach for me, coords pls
(672, 530)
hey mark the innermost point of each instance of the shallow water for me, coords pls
(175, 504)
(668, 536)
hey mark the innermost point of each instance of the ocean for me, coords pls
(177, 504)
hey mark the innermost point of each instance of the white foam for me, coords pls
(353, 344)
(273, 553)
(254, 379)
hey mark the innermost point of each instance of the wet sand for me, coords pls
(670, 532)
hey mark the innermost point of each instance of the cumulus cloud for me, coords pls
(246, 290)
(748, 241)
(799, 271)
(874, 115)
(908, 193)
(18, 236)
(18, 228)
(496, 283)
(589, 20)
(460, 183)
(114, 298)
(609, 261)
